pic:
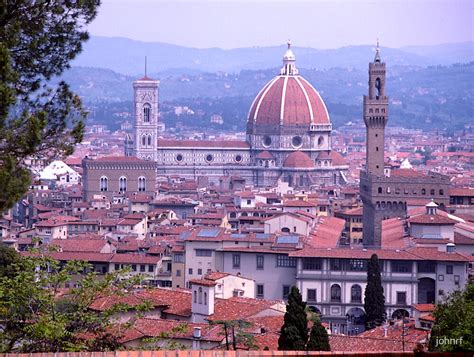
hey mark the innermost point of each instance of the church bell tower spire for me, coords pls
(376, 116)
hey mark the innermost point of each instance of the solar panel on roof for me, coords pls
(288, 240)
(184, 235)
(263, 235)
(238, 235)
(208, 233)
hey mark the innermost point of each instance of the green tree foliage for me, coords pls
(235, 333)
(318, 337)
(38, 315)
(374, 303)
(9, 259)
(453, 330)
(38, 39)
(294, 332)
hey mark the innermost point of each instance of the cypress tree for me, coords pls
(374, 303)
(318, 337)
(294, 332)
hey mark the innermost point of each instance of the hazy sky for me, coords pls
(316, 23)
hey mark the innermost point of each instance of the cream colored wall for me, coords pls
(295, 225)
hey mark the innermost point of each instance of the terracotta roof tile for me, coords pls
(298, 159)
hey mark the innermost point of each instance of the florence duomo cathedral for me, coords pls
(288, 137)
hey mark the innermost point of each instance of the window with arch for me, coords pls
(378, 86)
(143, 141)
(336, 293)
(146, 113)
(195, 296)
(356, 293)
(200, 295)
(441, 192)
(141, 184)
(149, 140)
(122, 184)
(379, 190)
(423, 191)
(205, 298)
(432, 191)
(104, 183)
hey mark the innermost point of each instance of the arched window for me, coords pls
(143, 141)
(378, 86)
(195, 296)
(432, 192)
(205, 298)
(336, 293)
(122, 184)
(380, 190)
(141, 184)
(200, 295)
(104, 183)
(423, 191)
(356, 293)
(149, 140)
(146, 113)
(441, 192)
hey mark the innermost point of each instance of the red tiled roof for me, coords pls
(216, 275)
(327, 232)
(140, 198)
(288, 99)
(393, 233)
(298, 159)
(431, 219)
(265, 155)
(239, 308)
(460, 238)
(134, 259)
(337, 159)
(80, 245)
(174, 302)
(462, 191)
(353, 211)
(203, 282)
(368, 344)
(149, 327)
(299, 203)
(407, 173)
(245, 194)
(424, 307)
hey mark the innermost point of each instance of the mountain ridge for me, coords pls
(127, 56)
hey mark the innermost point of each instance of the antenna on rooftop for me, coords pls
(145, 67)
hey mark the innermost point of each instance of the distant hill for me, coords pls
(421, 97)
(445, 53)
(127, 56)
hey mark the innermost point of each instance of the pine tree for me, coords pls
(374, 303)
(318, 337)
(294, 332)
(38, 39)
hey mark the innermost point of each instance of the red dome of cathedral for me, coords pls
(298, 159)
(288, 99)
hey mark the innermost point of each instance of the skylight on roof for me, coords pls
(208, 233)
(238, 235)
(288, 240)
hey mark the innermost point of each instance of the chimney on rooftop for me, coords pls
(196, 338)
